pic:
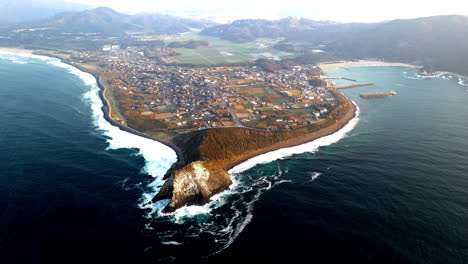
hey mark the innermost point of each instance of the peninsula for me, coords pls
(214, 117)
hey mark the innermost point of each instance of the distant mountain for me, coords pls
(249, 29)
(107, 21)
(91, 29)
(20, 11)
(439, 43)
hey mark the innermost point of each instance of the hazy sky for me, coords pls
(337, 10)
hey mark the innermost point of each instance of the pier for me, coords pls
(353, 85)
(373, 95)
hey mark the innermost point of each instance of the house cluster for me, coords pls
(176, 97)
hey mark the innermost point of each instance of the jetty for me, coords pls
(354, 85)
(373, 95)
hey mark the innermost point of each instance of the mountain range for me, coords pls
(246, 30)
(439, 43)
(110, 22)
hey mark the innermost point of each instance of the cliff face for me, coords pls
(194, 184)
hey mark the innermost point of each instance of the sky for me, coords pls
(335, 10)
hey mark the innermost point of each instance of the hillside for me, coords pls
(91, 29)
(250, 29)
(439, 43)
(108, 22)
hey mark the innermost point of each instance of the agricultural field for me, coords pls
(223, 51)
(257, 91)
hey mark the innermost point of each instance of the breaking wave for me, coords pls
(223, 219)
(462, 81)
(307, 147)
(441, 75)
(314, 176)
(219, 222)
(158, 157)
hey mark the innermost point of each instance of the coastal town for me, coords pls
(161, 96)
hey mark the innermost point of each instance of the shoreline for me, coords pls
(361, 63)
(106, 106)
(17, 50)
(180, 153)
(181, 163)
(293, 142)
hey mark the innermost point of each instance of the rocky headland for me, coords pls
(209, 154)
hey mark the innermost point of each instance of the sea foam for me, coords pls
(237, 202)
(306, 147)
(441, 75)
(158, 157)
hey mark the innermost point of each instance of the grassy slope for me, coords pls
(216, 145)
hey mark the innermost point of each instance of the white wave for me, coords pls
(307, 147)
(173, 243)
(462, 81)
(314, 176)
(21, 58)
(158, 157)
(442, 75)
(186, 212)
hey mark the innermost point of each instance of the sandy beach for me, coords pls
(346, 64)
(16, 50)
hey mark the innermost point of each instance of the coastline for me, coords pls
(181, 163)
(284, 144)
(350, 115)
(17, 50)
(360, 63)
(106, 108)
(180, 156)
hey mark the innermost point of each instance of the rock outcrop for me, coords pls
(208, 154)
(193, 184)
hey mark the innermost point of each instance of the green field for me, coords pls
(223, 51)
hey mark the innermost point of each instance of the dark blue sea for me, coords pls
(391, 187)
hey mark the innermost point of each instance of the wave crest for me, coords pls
(158, 157)
(226, 216)
(306, 147)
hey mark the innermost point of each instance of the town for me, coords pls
(155, 95)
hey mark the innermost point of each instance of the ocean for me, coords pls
(390, 187)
